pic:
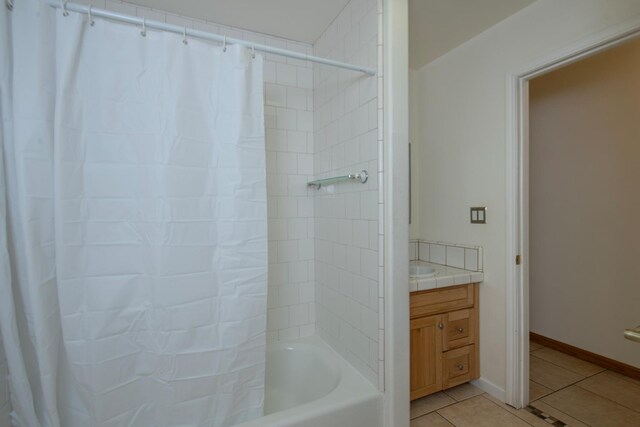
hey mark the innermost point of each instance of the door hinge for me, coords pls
(518, 260)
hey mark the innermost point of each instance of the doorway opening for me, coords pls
(524, 249)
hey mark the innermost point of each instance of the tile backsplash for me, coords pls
(450, 254)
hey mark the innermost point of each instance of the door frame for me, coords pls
(395, 212)
(517, 150)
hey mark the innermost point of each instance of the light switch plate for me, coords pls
(478, 215)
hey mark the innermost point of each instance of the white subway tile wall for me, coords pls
(288, 108)
(348, 239)
(449, 254)
(328, 121)
(5, 403)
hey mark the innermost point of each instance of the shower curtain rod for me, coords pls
(187, 32)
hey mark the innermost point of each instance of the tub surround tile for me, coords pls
(349, 223)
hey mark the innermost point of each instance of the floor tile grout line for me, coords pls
(569, 370)
(445, 406)
(568, 415)
(606, 398)
(544, 395)
(523, 420)
(624, 377)
(559, 410)
(569, 355)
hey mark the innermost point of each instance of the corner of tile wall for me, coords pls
(349, 236)
(456, 255)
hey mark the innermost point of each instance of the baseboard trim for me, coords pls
(596, 359)
(491, 388)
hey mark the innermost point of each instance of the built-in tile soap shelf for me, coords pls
(455, 255)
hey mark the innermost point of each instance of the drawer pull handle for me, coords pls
(461, 366)
(440, 326)
(461, 330)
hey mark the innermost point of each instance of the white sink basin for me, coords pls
(421, 271)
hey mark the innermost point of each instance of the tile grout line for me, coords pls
(624, 377)
(606, 398)
(567, 369)
(509, 412)
(445, 406)
(547, 418)
(560, 410)
(544, 395)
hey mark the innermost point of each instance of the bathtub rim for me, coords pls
(352, 389)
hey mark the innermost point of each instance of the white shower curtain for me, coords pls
(133, 225)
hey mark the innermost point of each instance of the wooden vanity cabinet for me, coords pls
(444, 338)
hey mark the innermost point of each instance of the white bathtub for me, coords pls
(308, 384)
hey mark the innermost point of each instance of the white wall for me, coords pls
(416, 139)
(5, 403)
(584, 202)
(346, 140)
(289, 145)
(462, 118)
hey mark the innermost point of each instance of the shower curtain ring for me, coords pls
(143, 33)
(253, 50)
(91, 21)
(65, 12)
(184, 36)
(224, 44)
(9, 4)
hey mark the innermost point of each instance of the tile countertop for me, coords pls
(447, 276)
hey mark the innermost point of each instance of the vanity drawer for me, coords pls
(441, 300)
(459, 329)
(458, 366)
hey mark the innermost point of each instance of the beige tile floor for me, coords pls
(569, 390)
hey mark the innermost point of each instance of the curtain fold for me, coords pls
(133, 242)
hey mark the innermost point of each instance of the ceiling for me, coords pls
(301, 20)
(438, 26)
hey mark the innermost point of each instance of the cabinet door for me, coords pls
(426, 355)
